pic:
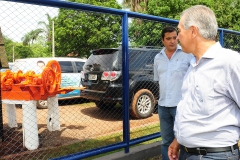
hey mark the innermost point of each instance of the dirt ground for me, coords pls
(78, 122)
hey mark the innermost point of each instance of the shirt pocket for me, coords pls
(181, 65)
(203, 100)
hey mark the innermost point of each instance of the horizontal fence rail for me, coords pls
(94, 93)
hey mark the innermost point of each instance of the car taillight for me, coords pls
(113, 74)
(105, 74)
(110, 75)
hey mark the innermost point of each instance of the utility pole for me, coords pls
(53, 44)
(13, 55)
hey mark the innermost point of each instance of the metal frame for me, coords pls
(125, 15)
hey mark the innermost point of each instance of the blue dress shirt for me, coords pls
(208, 114)
(169, 73)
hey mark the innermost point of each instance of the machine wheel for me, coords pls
(54, 65)
(48, 80)
(142, 104)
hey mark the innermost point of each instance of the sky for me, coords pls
(17, 19)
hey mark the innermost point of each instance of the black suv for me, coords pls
(102, 77)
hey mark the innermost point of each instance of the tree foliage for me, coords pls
(77, 32)
(30, 37)
(147, 33)
(47, 27)
(136, 5)
(47, 30)
(23, 52)
(9, 44)
(15, 50)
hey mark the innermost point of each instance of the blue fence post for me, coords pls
(221, 38)
(125, 83)
(127, 142)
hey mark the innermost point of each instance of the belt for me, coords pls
(205, 150)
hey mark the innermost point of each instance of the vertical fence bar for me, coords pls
(125, 83)
(221, 39)
(125, 68)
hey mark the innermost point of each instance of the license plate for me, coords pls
(92, 77)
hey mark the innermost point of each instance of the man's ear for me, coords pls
(194, 30)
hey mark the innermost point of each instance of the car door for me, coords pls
(70, 78)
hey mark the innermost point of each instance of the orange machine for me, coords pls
(32, 86)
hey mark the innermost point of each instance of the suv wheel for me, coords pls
(142, 104)
(105, 105)
(42, 104)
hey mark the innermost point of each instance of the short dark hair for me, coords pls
(168, 29)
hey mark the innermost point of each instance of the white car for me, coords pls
(10, 64)
(71, 73)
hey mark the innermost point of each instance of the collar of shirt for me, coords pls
(210, 53)
(178, 48)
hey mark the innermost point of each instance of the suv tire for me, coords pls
(104, 105)
(142, 104)
(42, 104)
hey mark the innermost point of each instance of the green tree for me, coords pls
(143, 32)
(47, 27)
(78, 32)
(9, 44)
(136, 5)
(226, 11)
(23, 52)
(34, 38)
(40, 48)
(31, 36)
(47, 30)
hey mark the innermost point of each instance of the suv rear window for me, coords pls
(102, 60)
(111, 59)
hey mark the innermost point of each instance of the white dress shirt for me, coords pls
(169, 73)
(208, 115)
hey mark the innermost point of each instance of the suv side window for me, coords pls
(66, 66)
(151, 56)
(137, 60)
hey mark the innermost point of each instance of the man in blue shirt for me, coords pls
(207, 122)
(170, 66)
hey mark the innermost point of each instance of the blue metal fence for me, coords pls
(125, 15)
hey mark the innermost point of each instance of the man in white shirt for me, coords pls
(170, 66)
(207, 123)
